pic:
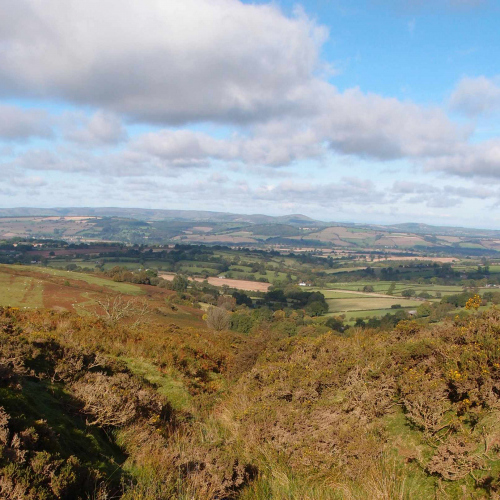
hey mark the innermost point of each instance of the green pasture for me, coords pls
(345, 270)
(125, 288)
(20, 291)
(359, 303)
(383, 287)
(470, 245)
(132, 266)
(332, 294)
(244, 269)
(352, 316)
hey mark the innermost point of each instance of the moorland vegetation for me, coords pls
(93, 407)
(120, 381)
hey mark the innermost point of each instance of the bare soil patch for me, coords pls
(247, 285)
(59, 296)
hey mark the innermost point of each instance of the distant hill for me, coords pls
(418, 228)
(154, 226)
(156, 214)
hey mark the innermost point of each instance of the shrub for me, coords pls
(218, 319)
(117, 400)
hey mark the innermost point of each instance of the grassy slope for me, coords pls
(402, 414)
(126, 288)
(20, 291)
(318, 416)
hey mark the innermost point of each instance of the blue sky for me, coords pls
(378, 111)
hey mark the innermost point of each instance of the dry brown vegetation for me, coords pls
(91, 408)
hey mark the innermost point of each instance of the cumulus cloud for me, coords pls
(246, 66)
(439, 197)
(172, 62)
(186, 147)
(476, 192)
(385, 128)
(352, 123)
(223, 61)
(20, 124)
(124, 163)
(220, 190)
(475, 160)
(100, 129)
(476, 96)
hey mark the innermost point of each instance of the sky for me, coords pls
(375, 111)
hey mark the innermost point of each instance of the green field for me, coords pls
(345, 270)
(20, 291)
(333, 294)
(383, 286)
(126, 288)
(378, 313)
(358, 303)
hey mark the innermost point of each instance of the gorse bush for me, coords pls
(97, 409)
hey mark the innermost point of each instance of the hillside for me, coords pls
(141, 226)
(412, 413)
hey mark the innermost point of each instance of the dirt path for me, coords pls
(28, 291)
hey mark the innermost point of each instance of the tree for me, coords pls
(368, 288)
(180, 283)
(218, 319)
(226, 302)
(408, 293)
(424, 310)
(119, 307)
(317, 308)
(335, 323)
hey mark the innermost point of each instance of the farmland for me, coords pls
(230, 339)
(250, 286)
(297, 233)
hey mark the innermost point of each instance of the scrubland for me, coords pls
(95, 408)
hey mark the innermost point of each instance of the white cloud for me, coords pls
(20, 124)
(439, 197)
(223, 61)
(477, 160)
(386, 128)
(245, 66)
(100, 129)
(173, 61)
(476, 96)
(350, 123)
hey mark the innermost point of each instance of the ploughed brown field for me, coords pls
(247, 285)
